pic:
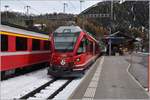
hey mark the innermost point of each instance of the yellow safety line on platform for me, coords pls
(21, 35)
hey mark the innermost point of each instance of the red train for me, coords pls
(73, 50)
(21, 48)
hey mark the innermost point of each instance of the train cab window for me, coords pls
(46, 45)
(4, 43)
(35, 44)
(21, 44)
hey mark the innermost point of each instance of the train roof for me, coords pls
(21, 31)
(72, 29)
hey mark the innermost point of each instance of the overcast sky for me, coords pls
(47, 6)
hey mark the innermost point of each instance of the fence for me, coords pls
(140, 68)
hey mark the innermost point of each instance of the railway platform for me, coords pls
(109, 78)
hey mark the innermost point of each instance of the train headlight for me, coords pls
(78, 59)
(63, 62)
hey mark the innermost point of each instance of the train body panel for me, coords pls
(21, 48)
(21, 32)
(22, 59)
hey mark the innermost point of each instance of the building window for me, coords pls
(35, 44)
(4, 43)
(21, 44)
(46, 45)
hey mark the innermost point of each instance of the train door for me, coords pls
(93, 48)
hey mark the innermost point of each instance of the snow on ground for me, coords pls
(18, 86)
(64, 95)
(21, 85)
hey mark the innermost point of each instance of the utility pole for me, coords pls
(81, 1)
(65, 4)
(6, 9)
(110, 27)
(27, 7)
(28, 20)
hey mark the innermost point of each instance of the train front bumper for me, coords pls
(64, 72)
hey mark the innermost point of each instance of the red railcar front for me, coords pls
(72, 51)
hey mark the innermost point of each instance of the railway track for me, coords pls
(23, 71)
(48, 90)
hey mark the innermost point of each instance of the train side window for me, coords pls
(21, 44)
(46, 45)
(35, 44)
(4, 43)
(91, 46)
(82, 47)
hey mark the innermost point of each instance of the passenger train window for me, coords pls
(85, 46)
(4, 43)
(35, 44)
(90, 46)
(82, 47)
(46, 45)
(21, 43)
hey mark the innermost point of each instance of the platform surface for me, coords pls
(109, 79)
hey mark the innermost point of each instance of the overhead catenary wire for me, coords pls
(71, 4)
(31, 7)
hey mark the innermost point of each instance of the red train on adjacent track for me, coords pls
(21, 48)
(72, 51)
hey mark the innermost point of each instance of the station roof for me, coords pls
(119, 38)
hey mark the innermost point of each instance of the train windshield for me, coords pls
(65, 38)
(65, 42)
